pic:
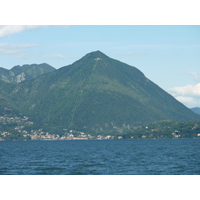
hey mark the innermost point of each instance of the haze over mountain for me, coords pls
(196, 110)
(95, 94)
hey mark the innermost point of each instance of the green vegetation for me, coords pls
(12, 125)
(26, 72)
(95, 95)
(166, 129)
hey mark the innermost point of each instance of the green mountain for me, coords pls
(20, 73)
(96, 94)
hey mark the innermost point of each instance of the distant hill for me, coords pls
(26, 72)
(96, 94)
(196, 110)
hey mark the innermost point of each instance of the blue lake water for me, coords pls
(101, 157)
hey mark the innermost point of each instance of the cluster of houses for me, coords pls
(41, 135)
(71, 135)
(6, 119)
(22, 122)
(176, 134)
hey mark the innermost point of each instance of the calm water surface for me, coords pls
(106, 157)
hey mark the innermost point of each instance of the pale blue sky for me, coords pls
(167, 55)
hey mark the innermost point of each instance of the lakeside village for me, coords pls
(15, 127)
(19, 128)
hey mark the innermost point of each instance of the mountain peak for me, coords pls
(97, 55)
(97, 94)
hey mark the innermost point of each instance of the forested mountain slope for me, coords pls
(97, 94)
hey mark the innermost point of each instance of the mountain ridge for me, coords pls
(25, 72)
(97, 94)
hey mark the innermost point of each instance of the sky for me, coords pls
(167, 55)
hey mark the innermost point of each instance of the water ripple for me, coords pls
(101, 157)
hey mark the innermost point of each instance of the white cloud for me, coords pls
(189, 95)
(56, 56)
(12, 29)
(193, 90)
(195, 75)
(134, 54)
(188, 101)
(185, 99)
(16, 49)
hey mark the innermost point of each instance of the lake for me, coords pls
(101, 157)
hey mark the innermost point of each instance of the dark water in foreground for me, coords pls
(106, 157)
